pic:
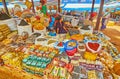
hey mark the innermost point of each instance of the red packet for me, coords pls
(55, 61)
(69, 67)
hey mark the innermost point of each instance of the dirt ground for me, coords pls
(114, 33)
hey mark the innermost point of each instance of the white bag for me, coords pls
(27, 28)
(11, 23)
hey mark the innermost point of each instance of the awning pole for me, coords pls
(5, 6)
(59, 6)
(33, 9)
(93, 3)
(99, 15)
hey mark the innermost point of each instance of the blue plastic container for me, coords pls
(52, 34)
(70, 47)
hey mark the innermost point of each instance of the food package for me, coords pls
(62, 72)
(12, 34)
(4, 29)
(54, 71)
(75, 76)
(91, 75)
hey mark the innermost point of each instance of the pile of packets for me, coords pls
(48, 62)
(35, 65)
(38, 59)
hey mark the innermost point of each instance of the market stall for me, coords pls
(48, 47)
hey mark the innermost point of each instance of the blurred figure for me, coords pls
(60, 28)
(105, 19)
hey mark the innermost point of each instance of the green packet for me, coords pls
(39, 73)
(28, 63)
(48, 60)
(44, 65)
(34, 57)
(43, 59)
(34, 63)
(39, 64)
(25, 60)
(39, 58)
(31, 71)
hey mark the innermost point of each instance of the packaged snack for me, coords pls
(43, 65)
(39, 64)
(75, 76)
(48, 60)
(55, 71)
(34, 63)
(69, 67)
(91, 75)
(62, 72)
(51, 55)
(29, 62)
(62, 64)
(76, 69)
(83, 73)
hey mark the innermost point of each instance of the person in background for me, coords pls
(105, 19)
(81, 18)
(60, 28)
(51, 24)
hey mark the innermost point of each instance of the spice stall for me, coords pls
(33, 52)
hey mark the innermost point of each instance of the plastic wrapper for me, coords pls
(62, 72)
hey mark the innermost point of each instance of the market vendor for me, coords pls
(60, 28)
(51, 24)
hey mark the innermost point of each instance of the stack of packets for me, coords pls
(13, 59)
(80, 72)
(42, 51)
(4, 30)
(60, 68)
(38, 59)
(57, 72)
(35, 65)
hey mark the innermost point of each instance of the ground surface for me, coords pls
(114, 33)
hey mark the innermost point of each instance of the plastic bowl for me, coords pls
(71, 52)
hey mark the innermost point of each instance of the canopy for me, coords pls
(87, 5)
